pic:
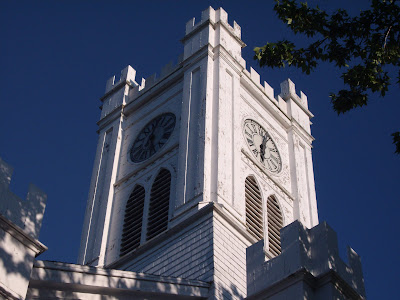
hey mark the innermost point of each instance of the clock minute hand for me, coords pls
(262, 149)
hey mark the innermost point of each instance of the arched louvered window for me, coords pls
(275, 224)
(159, 204)
(254, 212)
(133, 221)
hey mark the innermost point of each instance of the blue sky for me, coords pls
(55, 58)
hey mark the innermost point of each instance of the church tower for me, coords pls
(197, 165)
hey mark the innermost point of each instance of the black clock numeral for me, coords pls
(169, 127)
(250, 142)
(254, 128)
(255, 152)
(160, 121)
(275, 159)
(248, 134)
(262, 132)
(273, 163)
(141, 137)
(146, 130)
(136, 150)
(269, 164)
(251, 129)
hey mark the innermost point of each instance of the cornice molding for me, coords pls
(20, 235)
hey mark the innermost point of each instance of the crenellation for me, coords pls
(110, 83)
(288, 90)
(221, 15)
(190, 25)
(208, 14)
(269, 91)
(313, 251)
(297, 107)
(27, 214)
(237, 29)
(128, 74)
(282, 104)
(255, 76)
(151, 80)
(303, 99)
(166, 69)
(213, 16)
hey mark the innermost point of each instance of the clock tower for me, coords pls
(194, 166)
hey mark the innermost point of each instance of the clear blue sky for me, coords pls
(55, 58)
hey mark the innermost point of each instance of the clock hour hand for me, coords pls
(262, 149)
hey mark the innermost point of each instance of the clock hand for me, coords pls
(262, 149)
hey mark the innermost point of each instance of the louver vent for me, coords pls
(133, 221)
(159, 204)
(254, 215)
(275, 224)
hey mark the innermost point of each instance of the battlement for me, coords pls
(292, 105)
(305, 251)
(199, 35)
(288, 90)
(214, 16)
(128, 74)
(27, 214)
(115, 96)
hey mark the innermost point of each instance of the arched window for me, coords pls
(254, 212)
(133, 221)
(159, 204)
(275, 224)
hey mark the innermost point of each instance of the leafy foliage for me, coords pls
(363, 46)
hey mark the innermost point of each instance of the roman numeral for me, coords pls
(251, 129)
(275, 158)
(169, 127)
(161, 120)
(254, 128)
(168, 121)
(273, 163)
(248, 134)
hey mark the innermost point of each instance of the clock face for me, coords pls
(262, 146)
(152, 137)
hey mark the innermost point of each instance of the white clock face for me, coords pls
(262, 146)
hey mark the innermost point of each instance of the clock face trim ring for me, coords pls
(152, 137)
(262, 146)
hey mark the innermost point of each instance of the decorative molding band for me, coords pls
(19, 234)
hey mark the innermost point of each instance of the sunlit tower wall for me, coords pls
(209, 171)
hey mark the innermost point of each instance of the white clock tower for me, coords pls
(195, 166)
